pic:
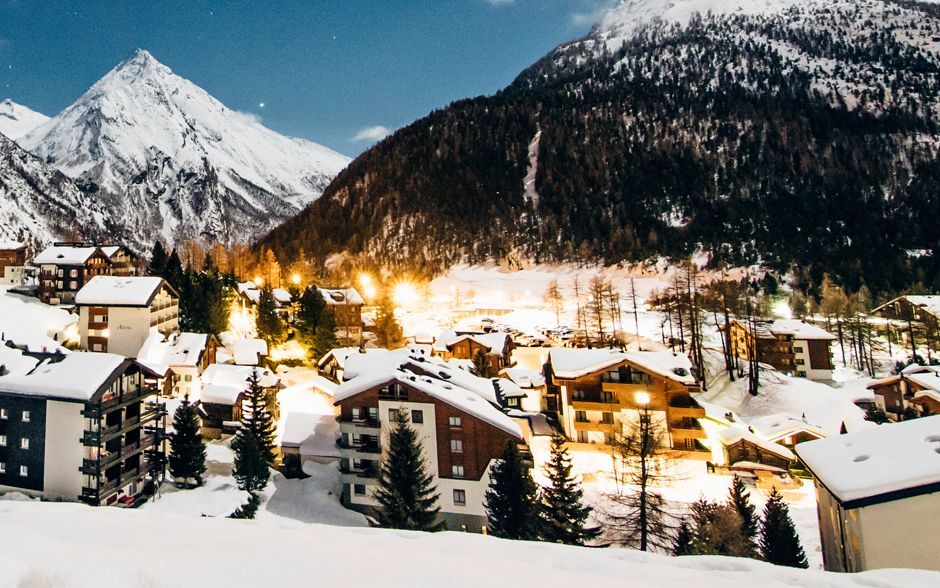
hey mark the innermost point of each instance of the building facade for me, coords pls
(65, 268)
(346, 306)
(788, 345)
(81, 426)
(12, 263)
(461, 435)
(118, 314)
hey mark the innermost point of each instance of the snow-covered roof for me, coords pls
(341, 296)
(571, 363)
(456, 396)
(929, 303)
(76, 376)
(183, 349)
(64, 255)
(877, 461)
(777, 426)
(12, 245)
(15, 362)
(237, 375)
(340, 354)
(249, 351)
(495, 342)
(220, 394)
(281, 296)
(525, 378)
(110, 250)
(800, 330)
(929, 380)
(119, 291)
(509, 389)
(732, 435)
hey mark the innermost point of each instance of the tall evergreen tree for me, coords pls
(257, 417)
(406, 495)
(779, 543)
(158, 260)
(481, 365)
(187, 449)
(683, 544)
(173, 272)
(250, 470)
(268, 322)
(512, 498)
(387, 330)
(563, 513)
(740, 499)
(324, 338)
(310, 308)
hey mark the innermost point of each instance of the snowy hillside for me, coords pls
(39, 204)
(16, 120)
(223, 552)
(172, 160)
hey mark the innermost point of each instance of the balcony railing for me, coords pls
(683, 402)
(372, 423)
(363, 447)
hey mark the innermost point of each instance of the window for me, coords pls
(188, 378)
(3, 440)
(456, 471)
(3, 414)
(460, 497)
(417, 417)
(24, 443)
(73, 285)
(607, 418)
(454, 421)
(607, 396)
(582, 437)
(797, 349)
(359, 489)
(392, 414)
(60, 273)
(3, 468)
(355, 414)
(799, 361)
(24, 471)
(456, 446)
(25, 416)
(73, 273)
(580, 416)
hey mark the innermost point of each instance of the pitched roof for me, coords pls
(119, 291)
(524, 378)
(877, 464)
(732, 435)
(335, 296)
(571, 363)
(65, 255)
(183, 349)
(249, 351)
(76, 376)
(12, 246)
(800, 330)
(777, 426)
(237, 375)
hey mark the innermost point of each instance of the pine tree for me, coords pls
(779, 543)
(740, 499)
(562, 511)
(324, 338)
(512, 498)
(683, 544)
(269, 324)
(387, 330)
(250, 470)
(875, 414)
(310, 308)
(158, 260)
(173, 272)
(717, 530)
(187, 449)
(406, 495)
(481, 365)
(257, 417)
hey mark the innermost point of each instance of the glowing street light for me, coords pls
(405, 293)
(259, 281)
(295, 279)
(365, 280)
(642, 398)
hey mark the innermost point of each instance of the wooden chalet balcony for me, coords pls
(593, 426)
(686, 429)
(361, 422)
(685, 407)
(373, 448)
(700, 453)
(599, 406)
(116, 402)
(367, 472)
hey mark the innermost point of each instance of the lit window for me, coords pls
(460, 497)
(24, 471)
(3, 414)
(25, 416)
(454, 421)
(3, 440)
(457, 471)
(24, 443)
(456, 446)
(3, 468)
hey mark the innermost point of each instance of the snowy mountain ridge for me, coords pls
(171, 162)
(16, 120)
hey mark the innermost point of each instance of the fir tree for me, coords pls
(740, 499)
(269, 324)
(251, 469)
(387, 330)
(717, 530)
(324, 338)
(310, 309)
(406, 495)
(247, 510)
(158, 260)
(562, 510)
(874, 414)
(683, 544)
(481, 365)
(173, 272)
(187, 449)
(779, 543)
(512, 498)
(257, 417)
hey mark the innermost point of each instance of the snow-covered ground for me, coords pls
(69, 545)
(26, 321)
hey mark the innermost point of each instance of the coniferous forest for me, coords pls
(806, 140)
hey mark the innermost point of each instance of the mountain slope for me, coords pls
(16, 120)
(39, 204)
(172, 162)
(806, 135)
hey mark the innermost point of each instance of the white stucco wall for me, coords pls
(901, 533)
(62, 477)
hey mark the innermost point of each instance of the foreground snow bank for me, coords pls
(74, 545)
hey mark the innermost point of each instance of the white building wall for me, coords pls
(805, 369)
(64, 451)
(901, 533)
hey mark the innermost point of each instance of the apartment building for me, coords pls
(346, 305)
(461, 435)
(79, 426)
(118, 314)
(12, 263)
(790, 346)
(602, 392)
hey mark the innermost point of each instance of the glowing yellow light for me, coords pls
(365, 280)
(370, 292)
(106, 333)
(259, 281)
(642, 398)
(405, 293)
(295, 279)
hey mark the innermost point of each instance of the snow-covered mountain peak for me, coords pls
(164, 148)
(16, 120)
